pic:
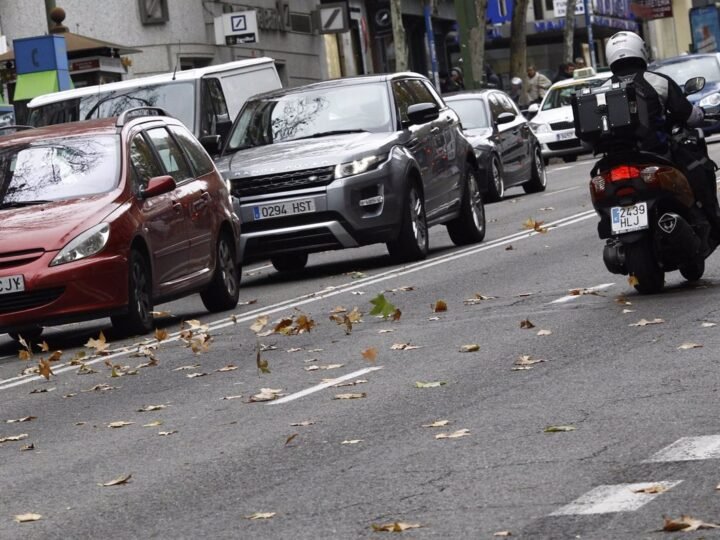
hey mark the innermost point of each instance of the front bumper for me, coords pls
(338, 222)
(562, 143)
(81, 290)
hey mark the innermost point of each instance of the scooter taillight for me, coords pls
(624, 172)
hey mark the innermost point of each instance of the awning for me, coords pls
(30, 85)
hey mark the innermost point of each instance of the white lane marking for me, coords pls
(324, 385)
(320, 295)
(560, 191)
(615, 498)
(562, 168)
(586, 291)
(257, 268)
(689, 449)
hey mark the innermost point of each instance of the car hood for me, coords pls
(50, 226)
(559, 114)
(304, 154)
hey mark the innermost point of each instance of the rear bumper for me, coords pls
(550, 146)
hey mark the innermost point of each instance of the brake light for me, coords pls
(624, 172)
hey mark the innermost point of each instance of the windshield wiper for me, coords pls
(328, 133)
(21, 204)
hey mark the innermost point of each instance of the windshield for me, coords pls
(313, 113)
(560, 97)
(62, 168)
(471, 112)
(177, 99)
(701, 66)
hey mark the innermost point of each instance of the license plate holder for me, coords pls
(12, 284)
(625, 219)
(283, 209)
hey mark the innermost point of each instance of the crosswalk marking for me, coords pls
(614, 498)
(689, 449)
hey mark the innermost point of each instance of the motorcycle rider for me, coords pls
(627, 55)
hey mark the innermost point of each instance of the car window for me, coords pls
(170, 154)
(197, 155)
(562, 96)
(507, 105)
(421, 92)
(495, 106)
(144, 164)
(403, 99)
(471, 112)
(692, 66)
(214, 107)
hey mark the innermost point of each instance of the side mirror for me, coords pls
(534, 108)
(422, 113)
(158, 185)
(211, 143)
(694, 85)
(505, 118)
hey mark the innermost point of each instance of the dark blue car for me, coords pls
(682, 68)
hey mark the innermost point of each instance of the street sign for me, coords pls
(236, 27)
(649, 10)
(332, 18)
(560, 8)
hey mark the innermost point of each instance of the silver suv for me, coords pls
(351, 162)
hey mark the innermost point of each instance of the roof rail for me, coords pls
(16, 127)
(139, 111)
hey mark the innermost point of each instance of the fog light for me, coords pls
(372, 200)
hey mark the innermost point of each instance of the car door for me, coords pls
(164, 218)
(519, 136)
(526, 142)
(502, 134)
(195, 199)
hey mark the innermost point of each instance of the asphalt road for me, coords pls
(627, 394)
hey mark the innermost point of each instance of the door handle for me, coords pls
(448, 120)
(177, 207)
(435, 130)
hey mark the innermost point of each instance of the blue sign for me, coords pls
(705, 26)
(42, 53)
(499, 11)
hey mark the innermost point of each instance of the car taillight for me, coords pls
(624, 172)
(597, 187)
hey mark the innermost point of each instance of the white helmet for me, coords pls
(625, 45)
(516, 81)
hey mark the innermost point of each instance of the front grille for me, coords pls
(285, 181)
(564, 145)
(18, 258)
(557, 126)
(311, 240)
(28, 299)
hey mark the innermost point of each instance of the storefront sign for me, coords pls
(560, 7)
(649, 10)
(236, 27)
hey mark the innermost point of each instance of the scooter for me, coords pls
(649, 216)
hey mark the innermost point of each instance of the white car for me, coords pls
(553, 124)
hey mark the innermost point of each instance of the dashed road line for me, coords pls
(616, 498)
(689, 449)
(324, 385)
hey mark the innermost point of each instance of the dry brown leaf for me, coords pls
(186, 368)
(55, 356)
(687, 523)
(196, 375)
(229, 367)
(454, 435)
(100, 344)
(262, 365)
(13, 438)
(652, 490)
(432, 384)
(27, 447)
(404, 347)
(437, 423)
(259, 324)
(558, 429)
(304, 423)
(689, 345)
(25, 518)
(119, 481)
(527, 360)
(119, 424)
(632, 280)
(155, 423)
(503, 533)
(166, 433)
(386, 331)
(331, 366)
(266, 394)
(44, 347)
(536, 226)
(623, 301)
(350, 396)
(201, 344)
(312, 368)
(290, 438)
(44, 369)
(261, 515)
(645, 322)
(238, 396)
(626, 311)
(194, 324)
(477, 299)
(41, 390)
(304, 324)
(472, 347)
(397, 526)
(23, 419)
(370, 354)
(396, 315)
(544, 332)
(346, 383)
(352, 441)
(440, 306)
(160, 314)
(151, 408)
(526, 324)
(24, 354)
(248, 302)
(161, 334)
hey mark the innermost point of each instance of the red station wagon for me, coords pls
(108, 218)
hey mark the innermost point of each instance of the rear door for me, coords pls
(503, 132)
(518, 135)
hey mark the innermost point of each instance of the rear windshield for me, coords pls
(471, 112)
(178, 99)
(561, 97)
(692, 66)
(60, 168)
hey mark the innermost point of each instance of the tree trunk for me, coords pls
(569, 32)
(401, 56)
(477, 43)
(518, 41)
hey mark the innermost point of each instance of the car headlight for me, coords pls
(359, 166)
(713, 100)
(538, 127)
(84, 245)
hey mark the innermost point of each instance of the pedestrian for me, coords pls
(565, 71)
(492, 79)
(538, 85)
(457, 77)
(447, 85)
(518, 93)
(580, 62)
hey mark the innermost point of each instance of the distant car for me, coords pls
(351, 162)
(107, 218)
(507, 151)
(553, 124)
(682, 68)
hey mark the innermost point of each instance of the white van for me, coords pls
(206, 100)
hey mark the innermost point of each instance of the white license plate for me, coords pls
(625, 219)
(12, 284)
(565, 136)
(290, 208)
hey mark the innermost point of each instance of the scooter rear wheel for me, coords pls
(693, 271)
(641, 262)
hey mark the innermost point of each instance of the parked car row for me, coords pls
(122, 208)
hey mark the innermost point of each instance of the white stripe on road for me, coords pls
(562, 168)
(324, 385)
(583, 292)
(615, 498)
(689, 449)
(323, 294)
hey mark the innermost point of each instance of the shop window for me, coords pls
(154, 11)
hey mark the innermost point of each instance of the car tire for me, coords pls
(289, 262)
(496, 183)
(640, 262)
(469, 226)
(412, 243)
(538, 174)
(139, 318)
(224, 289)
(693, 271)
(569, 159)
(30, 334)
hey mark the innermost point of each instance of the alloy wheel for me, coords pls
(227, 267)
(417, 215)
(142, 291)
(476, 204)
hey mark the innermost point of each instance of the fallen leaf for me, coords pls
(238, 396)
(369, 354)
(55, 356)
(544, 332)
(433, 384)
(509, 247)
(260, 515)
(437, 423)
(23, 419)
(166, 433)
(623, 301)
(195, 375)
(248, 302)
(194, 324)
(386, 331)
(645, 322)
(24, 518)
(536, 226)
(160, 314)
(312, 368)
(403, 347)
(439, 306)
(290, 438)
(558, 429)
(304, 423)
(151, 408)
(633, 281)
(473, 347)
(478, 298)
(44, 369)
(433, 319)
(161, 334)
(266, 394)
(526, 324)
(396, 315)
(77, 359)
(201, 344)
(229, 367)
(503, 533)
(687, 523)
(331, 366)
(547, 209)
(27, 447)
(259, 324)
(397, 526)
(186, 368)
(347, 383)
(14, 438)
(350, 396)
(356, 275)
(262, 365)
(527, 360)
(686, 346)
(454, 435)
(119, 424)
(155, 423)
(100, 344)
(41, 390)
(626, 311)
(382, 307)
(44, 347)
(120, 480)
(25, 354)
(652, 490)
(303, 324)
(352, 441)
(708, 324)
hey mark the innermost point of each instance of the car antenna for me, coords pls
(177, 60)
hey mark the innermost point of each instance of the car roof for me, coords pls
(566, 83)
(684, 58)
(179, 76)
(482, 92)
